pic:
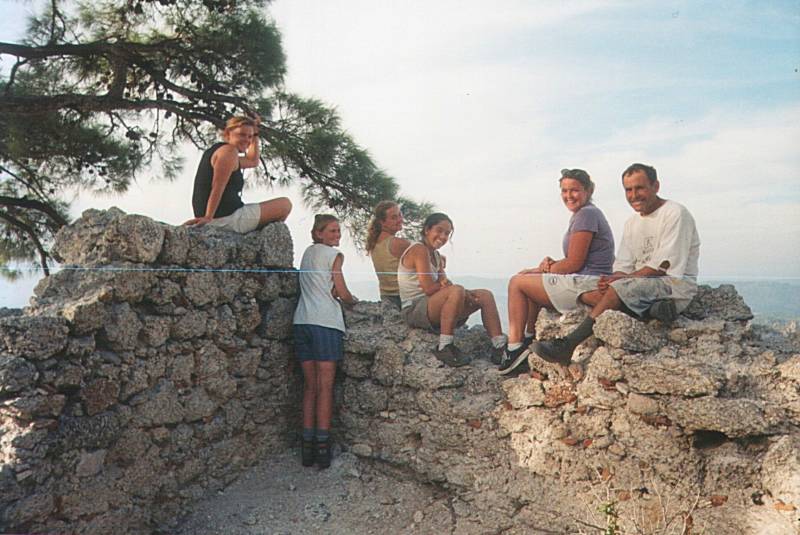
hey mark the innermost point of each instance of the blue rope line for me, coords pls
(122, 269)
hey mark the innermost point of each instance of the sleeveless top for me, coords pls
(231, 196)
(317, 305)
(408, 280)
(385, 264)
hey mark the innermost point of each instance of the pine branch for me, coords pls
(31, 204)
(32, 234)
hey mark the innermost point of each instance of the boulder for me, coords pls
(101, 237)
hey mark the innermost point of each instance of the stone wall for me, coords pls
(129, 390)
(695, 422)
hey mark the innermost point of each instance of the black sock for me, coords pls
(323, 435)
(308, 434)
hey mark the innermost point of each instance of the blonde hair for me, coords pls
(375, 225)
(320, 222)
(236, 121)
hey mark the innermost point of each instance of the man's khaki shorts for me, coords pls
(639, 293)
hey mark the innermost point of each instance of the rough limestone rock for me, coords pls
(722, 303)
(128, 393)
(659, 418)
(623, 332)
(138, 380)
(780, 470)
(103, 236)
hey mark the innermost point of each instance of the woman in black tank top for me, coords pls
(219, 181)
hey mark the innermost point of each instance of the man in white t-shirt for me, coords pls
(655, 272)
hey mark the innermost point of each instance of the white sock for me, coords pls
(445, 339)
(529, 334)
(499, 341)
(514, 346)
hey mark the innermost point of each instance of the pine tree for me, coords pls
(99, 92)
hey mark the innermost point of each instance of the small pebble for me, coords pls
(418, 516)
(293, 487)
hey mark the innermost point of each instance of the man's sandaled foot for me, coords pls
(558, 351)
(451, 356)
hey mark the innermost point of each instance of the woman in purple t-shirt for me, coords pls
(558, 284)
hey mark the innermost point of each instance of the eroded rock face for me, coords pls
(127, 393)
(650, 415)
(129, 390)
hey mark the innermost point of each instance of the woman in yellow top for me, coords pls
(385, 248)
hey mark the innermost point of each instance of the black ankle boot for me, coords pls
(323, 453)
(663, 310)
(307, 452)
(560, 350)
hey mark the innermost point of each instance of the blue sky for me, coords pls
(476, 107)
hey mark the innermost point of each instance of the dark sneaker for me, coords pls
(307, 452)
(451, 355)
(527, 341)
(663, 310)
(524, 368)
(558, 351)
(512, 359)
(496, 356)
(323, 453)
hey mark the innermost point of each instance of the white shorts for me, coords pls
(564, 290)
(639, 293)
(243, 220)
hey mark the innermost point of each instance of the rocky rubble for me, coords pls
(129, 390)
(693, 422)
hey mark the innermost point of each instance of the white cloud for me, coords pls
(452, 100)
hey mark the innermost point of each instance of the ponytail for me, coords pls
(375, 224)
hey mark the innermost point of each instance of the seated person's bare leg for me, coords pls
(445, 308)
(591, 298)
(309, 393)
(275, 210)
(526, 295)
(609, 301)
(490, 318)
(326, 372)
(533, 314)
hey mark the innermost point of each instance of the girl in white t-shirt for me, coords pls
(318, 334)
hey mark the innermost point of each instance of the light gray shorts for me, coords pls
(564, 290)
(416, 315)
(639, 293)
(243, 220)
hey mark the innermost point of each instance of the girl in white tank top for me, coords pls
(430, 300)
